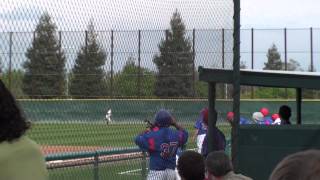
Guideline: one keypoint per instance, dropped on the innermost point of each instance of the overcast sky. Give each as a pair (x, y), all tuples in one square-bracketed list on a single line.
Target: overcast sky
[(155, 14), (280, 13), (74, 15)]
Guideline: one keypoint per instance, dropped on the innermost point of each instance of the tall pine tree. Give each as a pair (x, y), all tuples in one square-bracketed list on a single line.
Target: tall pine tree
[(1, 68), (175, 63), (274, 59), (88, 75), (45, 65)]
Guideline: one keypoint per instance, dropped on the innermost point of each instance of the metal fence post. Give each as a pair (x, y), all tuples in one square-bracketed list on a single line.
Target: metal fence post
[(236, 81), (225, 88), (311, 50), (60, 51), (111, 56), (252, 59), (193, 62), (86, 43), (285, 57), (32, 79), (285, 49), (144, 165), (139, 63), (96, 166), (10, 59)]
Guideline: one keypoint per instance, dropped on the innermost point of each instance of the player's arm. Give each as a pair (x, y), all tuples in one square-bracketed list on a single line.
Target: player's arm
[(175, 124), (183, 134), (142, 142)]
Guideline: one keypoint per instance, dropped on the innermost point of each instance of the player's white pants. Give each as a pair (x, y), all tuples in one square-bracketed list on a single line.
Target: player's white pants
[(176, 170), (200, 139), (168, 174)]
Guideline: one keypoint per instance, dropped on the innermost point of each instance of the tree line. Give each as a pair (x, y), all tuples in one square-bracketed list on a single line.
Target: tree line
[(44, 74)]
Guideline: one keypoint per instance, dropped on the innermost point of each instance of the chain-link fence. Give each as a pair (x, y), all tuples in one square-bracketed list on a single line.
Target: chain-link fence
[(70, 62), (129, 66)]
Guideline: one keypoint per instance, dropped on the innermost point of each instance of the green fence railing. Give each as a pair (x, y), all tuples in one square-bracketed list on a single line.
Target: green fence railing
[(98, 165)]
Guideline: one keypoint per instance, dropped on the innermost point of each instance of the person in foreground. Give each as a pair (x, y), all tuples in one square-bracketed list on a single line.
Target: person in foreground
[(219, 139), (191, 166), (20, 157), (162, 143), (219, 167), (304, 165)]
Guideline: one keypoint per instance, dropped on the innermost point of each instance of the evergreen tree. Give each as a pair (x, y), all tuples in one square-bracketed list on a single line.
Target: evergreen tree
[(175, 63), (292, 65), (1, 68), (45, 65), (88, 76), (16, 77), (274, 59), (126, 81)]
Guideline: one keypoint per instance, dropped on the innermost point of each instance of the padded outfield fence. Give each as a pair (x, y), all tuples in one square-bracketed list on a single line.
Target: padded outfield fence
[(78, 143)]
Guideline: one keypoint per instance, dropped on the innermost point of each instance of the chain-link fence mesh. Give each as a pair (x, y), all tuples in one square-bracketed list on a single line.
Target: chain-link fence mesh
[(69, 62), (130, 71)]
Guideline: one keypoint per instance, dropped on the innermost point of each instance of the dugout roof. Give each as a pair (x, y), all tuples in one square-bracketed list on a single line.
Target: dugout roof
[(266, 78), (281, 79)]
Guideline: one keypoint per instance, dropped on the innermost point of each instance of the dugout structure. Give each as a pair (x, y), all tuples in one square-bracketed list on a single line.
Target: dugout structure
[(257, 149)]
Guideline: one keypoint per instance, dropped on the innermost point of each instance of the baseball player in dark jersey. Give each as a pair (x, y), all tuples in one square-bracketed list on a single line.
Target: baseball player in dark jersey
[(162, 143)]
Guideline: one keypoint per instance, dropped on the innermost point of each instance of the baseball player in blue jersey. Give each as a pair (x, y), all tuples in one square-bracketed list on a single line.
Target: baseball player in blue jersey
[(162, 143), (201, 130)]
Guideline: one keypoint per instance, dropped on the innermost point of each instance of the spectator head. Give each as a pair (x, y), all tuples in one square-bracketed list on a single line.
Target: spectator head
[(264, 111), (12, 123), (205, 115), (163, 118), (304, 165), (257, 116), (191, 166), (230, 116), (285, 112), (218, 164), (274, 117)]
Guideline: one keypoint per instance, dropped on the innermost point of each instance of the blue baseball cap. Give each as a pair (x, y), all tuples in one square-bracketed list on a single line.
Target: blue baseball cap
[(163, 118)]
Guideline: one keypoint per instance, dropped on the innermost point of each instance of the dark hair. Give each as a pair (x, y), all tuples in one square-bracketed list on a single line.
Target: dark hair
[(205, 114), (285, 112), (12, 124), (304, 165), (218, 163), (191, 166)]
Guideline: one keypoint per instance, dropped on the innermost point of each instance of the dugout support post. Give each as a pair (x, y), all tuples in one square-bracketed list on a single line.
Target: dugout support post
[(212, 114), (298, 101)]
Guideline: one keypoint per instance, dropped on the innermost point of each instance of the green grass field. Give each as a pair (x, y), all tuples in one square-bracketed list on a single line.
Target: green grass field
[(86, 134), (95, 134)]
